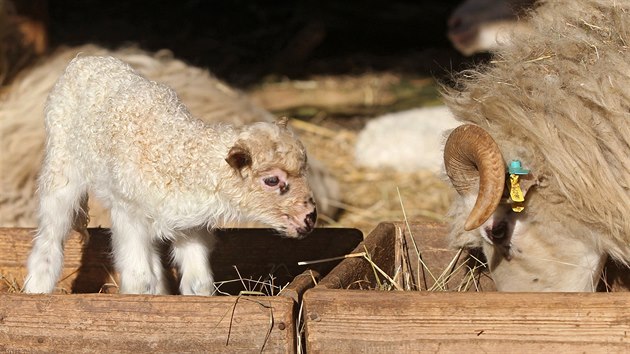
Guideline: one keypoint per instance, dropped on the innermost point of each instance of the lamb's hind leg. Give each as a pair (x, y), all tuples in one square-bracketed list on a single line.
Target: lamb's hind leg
[(191, 253), (62, 194), (135, 255)]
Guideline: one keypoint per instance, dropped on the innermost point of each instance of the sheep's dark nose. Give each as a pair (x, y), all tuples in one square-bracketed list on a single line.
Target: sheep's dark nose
[(455, 23)]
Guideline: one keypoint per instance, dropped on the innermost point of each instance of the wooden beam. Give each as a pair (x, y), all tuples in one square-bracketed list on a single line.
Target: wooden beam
[(345, 321), (247, 253), (169, 324), (139, 323), (416, 257)]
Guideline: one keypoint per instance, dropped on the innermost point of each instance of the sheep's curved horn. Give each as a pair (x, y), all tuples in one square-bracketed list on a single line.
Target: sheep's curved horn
[(470, 152)]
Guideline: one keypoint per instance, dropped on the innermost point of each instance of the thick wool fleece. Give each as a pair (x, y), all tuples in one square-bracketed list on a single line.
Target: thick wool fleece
[(558, 99)]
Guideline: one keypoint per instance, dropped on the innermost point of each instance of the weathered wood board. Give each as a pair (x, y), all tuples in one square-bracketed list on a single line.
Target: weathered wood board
[(140, 323), (354, 321), (415, 257), (342, 318), (240, 255), (84, 321)]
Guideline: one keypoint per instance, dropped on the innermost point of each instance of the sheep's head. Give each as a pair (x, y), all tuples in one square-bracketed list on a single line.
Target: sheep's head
[(270, 165), (539, 249), (482, 25)]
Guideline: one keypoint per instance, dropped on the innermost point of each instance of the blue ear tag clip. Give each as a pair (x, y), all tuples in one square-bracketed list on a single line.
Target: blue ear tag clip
[(516, 169), (516, 194)]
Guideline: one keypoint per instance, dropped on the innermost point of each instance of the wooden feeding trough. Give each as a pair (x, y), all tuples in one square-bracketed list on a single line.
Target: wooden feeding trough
[(453, 308), (84, 315)]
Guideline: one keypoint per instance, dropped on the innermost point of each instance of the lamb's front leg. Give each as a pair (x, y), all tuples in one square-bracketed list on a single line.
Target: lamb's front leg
[(135, 255), (191, 254)]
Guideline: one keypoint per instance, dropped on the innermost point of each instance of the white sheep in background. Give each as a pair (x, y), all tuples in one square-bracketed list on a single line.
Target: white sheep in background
[(405, 141), (164, 174), (22, 124), (558, 100)]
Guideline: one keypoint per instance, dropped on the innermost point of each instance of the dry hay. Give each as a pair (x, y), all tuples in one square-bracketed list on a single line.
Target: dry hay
[(371, 196), (329, 131)]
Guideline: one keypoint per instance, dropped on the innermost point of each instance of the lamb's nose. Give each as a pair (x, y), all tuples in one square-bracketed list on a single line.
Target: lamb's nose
[(309, 224), (311, 219)]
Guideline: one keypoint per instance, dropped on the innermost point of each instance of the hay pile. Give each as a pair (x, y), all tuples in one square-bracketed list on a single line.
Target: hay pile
[(372, 196), (369, 196)]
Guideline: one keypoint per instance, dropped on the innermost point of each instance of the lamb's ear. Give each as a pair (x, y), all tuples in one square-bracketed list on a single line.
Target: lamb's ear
[(239, 157), (282, 122)]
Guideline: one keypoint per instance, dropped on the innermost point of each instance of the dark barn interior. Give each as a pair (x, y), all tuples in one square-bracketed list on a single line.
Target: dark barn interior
[(245, 41)]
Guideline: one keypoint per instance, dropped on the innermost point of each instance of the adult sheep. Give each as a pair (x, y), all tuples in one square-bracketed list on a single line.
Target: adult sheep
[(164, 174), (483, 25), (22, 124), (558, 100)]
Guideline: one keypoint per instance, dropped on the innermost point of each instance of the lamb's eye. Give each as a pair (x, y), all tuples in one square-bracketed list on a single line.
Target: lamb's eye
[(272, 181)]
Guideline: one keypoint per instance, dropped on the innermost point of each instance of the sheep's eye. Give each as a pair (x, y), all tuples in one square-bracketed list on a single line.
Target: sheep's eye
[(498, 230), (272, 181)]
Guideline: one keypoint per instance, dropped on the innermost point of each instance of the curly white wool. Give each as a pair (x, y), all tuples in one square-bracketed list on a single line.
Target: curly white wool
[(163, 174), (22, 124)]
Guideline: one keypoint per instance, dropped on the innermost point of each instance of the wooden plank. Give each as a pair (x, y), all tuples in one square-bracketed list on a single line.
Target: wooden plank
[(138, 323), (256, 253), (132, 323), (417, 258), (357, 273), (344, 321), (424, 255), (87, 265)]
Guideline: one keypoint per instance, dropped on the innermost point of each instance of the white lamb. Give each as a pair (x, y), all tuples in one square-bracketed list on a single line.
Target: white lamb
[(164, 174)]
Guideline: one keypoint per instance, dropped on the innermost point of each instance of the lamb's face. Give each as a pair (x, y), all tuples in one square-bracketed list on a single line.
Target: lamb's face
[(537, 249), (271, 164)]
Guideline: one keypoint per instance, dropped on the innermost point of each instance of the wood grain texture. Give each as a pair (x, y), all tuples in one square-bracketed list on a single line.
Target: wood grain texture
[(400, 322), (139, 323), (419, 251), (239, 253), (80, 322), (423, 252), (357, 273)]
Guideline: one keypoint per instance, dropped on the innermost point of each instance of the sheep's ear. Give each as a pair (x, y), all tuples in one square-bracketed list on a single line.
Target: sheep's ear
[(282, 122), (528, 181), (239, 157)]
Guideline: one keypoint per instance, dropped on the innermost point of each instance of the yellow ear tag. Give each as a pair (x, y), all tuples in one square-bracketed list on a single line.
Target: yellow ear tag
[(516, 194), (515, 189)]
